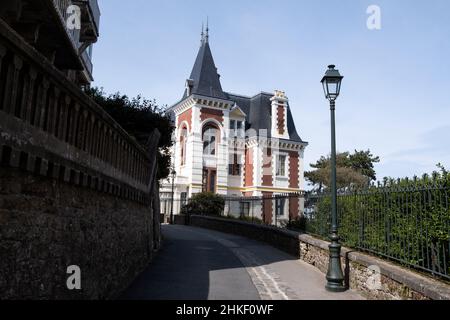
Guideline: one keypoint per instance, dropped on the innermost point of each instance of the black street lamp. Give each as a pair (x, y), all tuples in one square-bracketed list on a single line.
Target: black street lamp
[(173, 194), (332, 86)]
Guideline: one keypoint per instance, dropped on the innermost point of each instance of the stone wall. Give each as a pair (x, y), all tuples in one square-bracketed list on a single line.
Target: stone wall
[(75, 188), (47, 225), (373, 277)]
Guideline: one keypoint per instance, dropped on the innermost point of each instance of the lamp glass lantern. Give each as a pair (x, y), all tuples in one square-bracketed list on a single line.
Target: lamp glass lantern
[(331, 83)]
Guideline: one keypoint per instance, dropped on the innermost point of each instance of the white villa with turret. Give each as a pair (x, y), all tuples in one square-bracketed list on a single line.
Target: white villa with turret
[(233, 145)]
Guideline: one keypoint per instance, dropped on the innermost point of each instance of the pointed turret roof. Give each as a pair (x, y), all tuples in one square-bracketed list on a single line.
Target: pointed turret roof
[(206, 80)]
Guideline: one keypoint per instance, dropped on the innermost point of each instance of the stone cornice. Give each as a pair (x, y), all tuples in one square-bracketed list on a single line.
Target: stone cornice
[(203, 101), (276, 143)]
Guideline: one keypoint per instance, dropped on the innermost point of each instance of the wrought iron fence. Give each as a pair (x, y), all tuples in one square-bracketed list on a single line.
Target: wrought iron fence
[(276, 210), (408, 224)]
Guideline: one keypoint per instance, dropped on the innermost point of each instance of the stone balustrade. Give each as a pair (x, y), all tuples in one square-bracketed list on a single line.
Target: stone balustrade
[(51, 128)]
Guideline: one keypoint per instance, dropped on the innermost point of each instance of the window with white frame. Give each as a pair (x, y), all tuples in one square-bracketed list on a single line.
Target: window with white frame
[(183, 139), (234, 166), (281, 165), (183, 199), (279, 206), (236, 128), (244, 209), (210, 138)]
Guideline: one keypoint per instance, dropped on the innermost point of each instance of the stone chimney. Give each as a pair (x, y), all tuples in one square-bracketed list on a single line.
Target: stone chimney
[(279, 115)]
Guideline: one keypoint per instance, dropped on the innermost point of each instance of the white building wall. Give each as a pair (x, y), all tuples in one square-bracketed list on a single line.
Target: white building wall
[(257, 168), (197, 152), (222, 156), (301, 172)]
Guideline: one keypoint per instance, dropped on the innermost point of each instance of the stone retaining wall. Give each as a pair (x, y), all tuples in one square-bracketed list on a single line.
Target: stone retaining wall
[(373, 277), (47, 225), (75, 188)]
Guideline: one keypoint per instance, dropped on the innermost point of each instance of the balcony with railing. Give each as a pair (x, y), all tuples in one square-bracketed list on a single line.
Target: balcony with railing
[(50, 27), (95, 10), (87, 62), (90, 15), (88, 34)]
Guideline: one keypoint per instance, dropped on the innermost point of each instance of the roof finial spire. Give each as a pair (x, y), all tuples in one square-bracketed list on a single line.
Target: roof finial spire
[(207, 30), (202, 34)]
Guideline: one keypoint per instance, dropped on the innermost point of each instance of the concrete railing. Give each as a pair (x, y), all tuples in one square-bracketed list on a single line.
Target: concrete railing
[(49, 127), (373, 277)]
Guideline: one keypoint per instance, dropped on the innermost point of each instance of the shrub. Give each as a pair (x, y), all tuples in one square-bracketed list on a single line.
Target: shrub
[(251, 219), (206, 204), (298, 224)]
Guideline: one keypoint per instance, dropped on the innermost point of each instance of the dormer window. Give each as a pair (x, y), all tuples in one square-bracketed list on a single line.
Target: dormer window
[(189, 86)]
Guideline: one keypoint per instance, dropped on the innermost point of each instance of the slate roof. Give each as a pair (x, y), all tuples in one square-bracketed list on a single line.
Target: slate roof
[(257, 108), (259, 113), (205, 76)]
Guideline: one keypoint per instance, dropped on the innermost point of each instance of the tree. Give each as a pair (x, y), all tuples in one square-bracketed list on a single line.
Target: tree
[(363, 161), (351, 170), (139, 117)]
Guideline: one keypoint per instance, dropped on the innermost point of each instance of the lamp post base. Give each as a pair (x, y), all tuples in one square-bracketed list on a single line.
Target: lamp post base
[(335, 277), (332, 287)]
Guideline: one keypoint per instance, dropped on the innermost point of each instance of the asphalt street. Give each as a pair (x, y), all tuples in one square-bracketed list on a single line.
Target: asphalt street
[(200, 264)]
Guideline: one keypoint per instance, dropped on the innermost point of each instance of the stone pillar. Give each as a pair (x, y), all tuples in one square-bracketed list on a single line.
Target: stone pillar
[(27, 103), (42, 103), (64, 112), (12, 83), (2, 66), (267, 207), (73, 123), (53, 112)]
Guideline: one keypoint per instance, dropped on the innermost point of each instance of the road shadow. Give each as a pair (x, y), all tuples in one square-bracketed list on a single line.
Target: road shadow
[(186, 263)]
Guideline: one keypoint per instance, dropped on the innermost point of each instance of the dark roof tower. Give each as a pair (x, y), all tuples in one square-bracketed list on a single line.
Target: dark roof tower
[(204, 79)]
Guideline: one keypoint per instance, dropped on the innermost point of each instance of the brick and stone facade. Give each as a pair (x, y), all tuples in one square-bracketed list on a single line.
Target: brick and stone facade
[(235, 145)]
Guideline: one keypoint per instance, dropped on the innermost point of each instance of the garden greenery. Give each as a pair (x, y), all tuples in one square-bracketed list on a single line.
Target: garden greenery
[(205, 203), (405, 220)]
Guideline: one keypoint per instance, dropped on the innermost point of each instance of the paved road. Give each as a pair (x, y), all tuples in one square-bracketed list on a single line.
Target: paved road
[(200, 264)]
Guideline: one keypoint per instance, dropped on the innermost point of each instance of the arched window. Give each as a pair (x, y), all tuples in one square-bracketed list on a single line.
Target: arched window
[(210, 138), (183, 139)]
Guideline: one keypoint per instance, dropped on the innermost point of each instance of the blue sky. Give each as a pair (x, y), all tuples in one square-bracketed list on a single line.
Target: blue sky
[(395, 96)]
